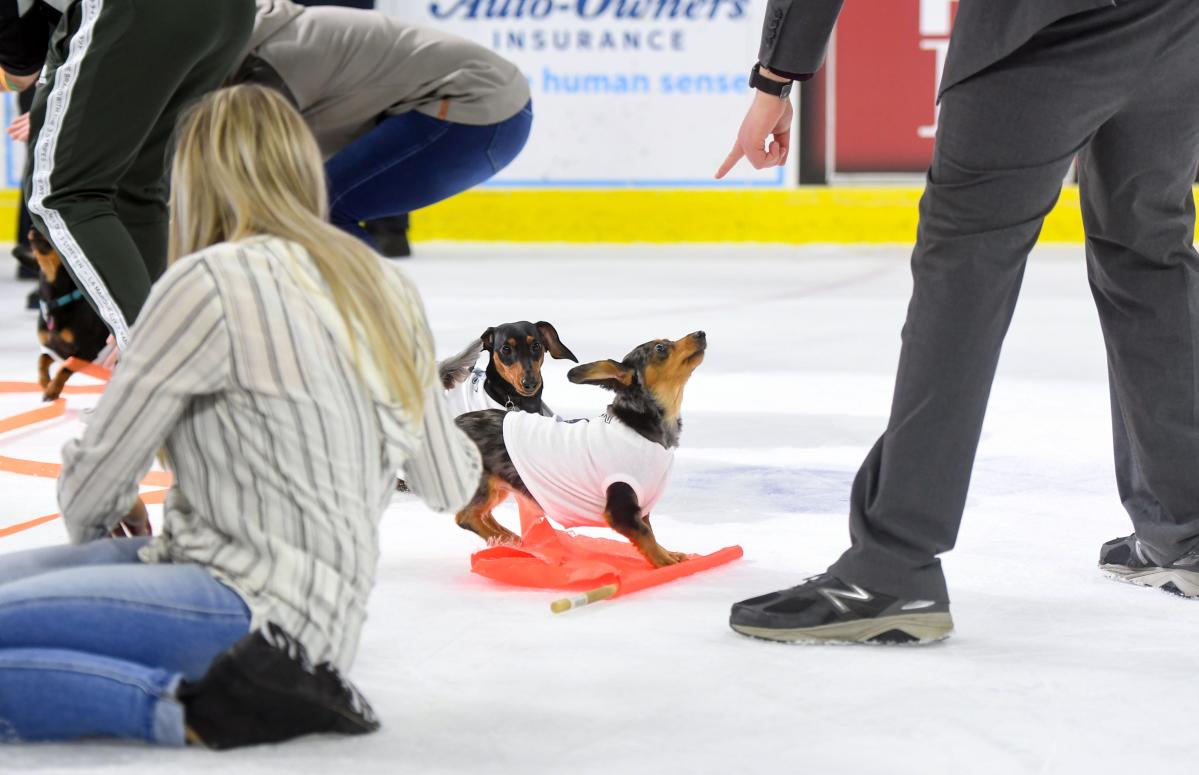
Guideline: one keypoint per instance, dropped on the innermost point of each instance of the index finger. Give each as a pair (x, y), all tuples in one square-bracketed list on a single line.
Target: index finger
[(730, 161)]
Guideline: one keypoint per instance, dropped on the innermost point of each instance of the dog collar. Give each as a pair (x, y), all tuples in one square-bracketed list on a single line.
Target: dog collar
[(61, 301), (48, 307)]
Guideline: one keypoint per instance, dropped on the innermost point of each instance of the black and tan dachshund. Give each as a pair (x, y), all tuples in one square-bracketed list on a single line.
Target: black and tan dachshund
[(512, 379), (67, 325), (535, 459)]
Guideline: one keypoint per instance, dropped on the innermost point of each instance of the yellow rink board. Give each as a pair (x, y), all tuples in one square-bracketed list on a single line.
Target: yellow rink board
[(805, 215), (797, 216)]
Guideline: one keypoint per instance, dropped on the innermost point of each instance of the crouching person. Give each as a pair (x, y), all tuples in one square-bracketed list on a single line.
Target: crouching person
[(288, 372)]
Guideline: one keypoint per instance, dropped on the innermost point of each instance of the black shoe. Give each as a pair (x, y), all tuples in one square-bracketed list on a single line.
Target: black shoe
[(263, 690), (390, 236), (825, 610), (1125, 559)]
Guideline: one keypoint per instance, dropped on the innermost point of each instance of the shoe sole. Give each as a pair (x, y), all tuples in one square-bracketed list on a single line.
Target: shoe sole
[(1183, 583), (911, 629)]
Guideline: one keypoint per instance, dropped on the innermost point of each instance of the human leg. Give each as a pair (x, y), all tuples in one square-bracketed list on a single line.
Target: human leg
[(166, 615), (99, 649), (413, 160), (1006, 139), (57, 694), (34, 562), (120, 67), (1136, 181)]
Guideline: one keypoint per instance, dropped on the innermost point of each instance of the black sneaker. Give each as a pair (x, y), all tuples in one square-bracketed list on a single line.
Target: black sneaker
[(263, 690), (1125, 559), (826, 610), (390, 235)]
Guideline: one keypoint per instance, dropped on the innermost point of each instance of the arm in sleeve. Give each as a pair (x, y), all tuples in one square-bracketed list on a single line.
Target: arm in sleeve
[(24, 37), (444, 472), (795, 34), (180, 349)]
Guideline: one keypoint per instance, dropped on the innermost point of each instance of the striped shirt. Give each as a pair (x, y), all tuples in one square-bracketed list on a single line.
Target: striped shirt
[(284, 457)]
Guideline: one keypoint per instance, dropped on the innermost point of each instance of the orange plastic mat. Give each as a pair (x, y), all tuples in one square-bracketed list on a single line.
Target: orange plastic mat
[(555, 559)]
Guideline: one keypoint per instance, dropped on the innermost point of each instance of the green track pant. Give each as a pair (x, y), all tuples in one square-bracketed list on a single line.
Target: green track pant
[(118, 74)]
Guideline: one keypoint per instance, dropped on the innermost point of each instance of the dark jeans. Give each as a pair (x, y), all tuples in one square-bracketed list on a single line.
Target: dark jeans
[(413, 160)]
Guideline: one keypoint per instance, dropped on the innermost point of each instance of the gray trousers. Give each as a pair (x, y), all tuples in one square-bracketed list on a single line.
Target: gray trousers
[(1119, 89)]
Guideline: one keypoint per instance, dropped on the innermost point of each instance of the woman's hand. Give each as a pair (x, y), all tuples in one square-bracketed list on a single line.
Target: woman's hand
[(135, 523), (107, 357), (18, 130)]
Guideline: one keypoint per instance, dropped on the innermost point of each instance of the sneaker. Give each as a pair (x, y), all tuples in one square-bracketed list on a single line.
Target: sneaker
[(263, 690), (824, 609), (1125, 559)]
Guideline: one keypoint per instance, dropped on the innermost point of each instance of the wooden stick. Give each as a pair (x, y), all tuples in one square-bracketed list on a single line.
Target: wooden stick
[(578, 601)]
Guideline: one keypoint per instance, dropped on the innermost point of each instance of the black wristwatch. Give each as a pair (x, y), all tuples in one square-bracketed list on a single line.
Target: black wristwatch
[(780, 89)]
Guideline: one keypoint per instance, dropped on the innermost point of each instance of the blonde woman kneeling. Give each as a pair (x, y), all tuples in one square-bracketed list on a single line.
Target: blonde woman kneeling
[(289, 372)]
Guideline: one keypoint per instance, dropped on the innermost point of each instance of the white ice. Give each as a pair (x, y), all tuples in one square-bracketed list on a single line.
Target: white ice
[(1054, 668)]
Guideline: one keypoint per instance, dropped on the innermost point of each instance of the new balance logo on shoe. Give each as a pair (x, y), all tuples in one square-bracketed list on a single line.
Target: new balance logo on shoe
[(854, 592)]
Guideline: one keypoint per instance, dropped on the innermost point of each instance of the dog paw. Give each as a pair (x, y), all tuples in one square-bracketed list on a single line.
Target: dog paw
[(51, 394), (661, 558), (506, 538)]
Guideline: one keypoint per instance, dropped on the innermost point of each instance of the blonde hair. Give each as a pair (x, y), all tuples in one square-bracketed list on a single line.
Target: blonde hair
[(245, 165)]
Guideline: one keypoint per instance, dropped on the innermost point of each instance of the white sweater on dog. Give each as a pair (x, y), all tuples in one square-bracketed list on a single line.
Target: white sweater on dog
[(469, 395), (568, 466)]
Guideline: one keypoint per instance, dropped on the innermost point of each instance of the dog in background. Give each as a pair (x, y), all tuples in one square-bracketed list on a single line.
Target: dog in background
[(610, 470), (67, 326)]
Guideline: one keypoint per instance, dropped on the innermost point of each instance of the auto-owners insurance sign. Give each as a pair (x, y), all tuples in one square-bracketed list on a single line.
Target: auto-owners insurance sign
[(625, 92)]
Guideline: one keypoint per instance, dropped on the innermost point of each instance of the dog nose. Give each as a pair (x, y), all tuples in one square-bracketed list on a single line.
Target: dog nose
[(700, 337), (528, 384)]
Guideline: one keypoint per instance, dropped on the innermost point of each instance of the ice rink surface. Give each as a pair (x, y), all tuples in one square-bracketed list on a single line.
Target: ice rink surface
[(1053, 669)]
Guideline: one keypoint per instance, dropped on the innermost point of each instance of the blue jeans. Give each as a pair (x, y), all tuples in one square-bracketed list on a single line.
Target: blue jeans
[(93, 642), (413, 160)]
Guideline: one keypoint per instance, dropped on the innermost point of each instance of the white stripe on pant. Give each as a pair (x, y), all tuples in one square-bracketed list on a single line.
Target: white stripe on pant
[(57, 105)]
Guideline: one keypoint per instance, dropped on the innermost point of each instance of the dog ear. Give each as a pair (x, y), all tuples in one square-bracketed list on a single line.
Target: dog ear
[(609, 374), (553, 345), (488, 339)]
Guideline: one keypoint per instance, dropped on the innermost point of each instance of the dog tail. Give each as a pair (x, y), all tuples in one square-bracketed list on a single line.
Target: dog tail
[(454, 370)]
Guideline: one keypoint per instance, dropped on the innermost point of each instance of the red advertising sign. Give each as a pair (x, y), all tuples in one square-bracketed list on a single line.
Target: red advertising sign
[(885, 67)]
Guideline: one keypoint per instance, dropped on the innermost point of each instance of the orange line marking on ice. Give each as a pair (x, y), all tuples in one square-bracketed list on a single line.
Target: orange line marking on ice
[(33, 387), (52, 411), (149, 498)]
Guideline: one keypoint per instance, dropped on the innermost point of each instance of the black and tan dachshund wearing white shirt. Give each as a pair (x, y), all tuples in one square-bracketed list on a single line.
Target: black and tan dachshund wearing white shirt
[(648, 383)]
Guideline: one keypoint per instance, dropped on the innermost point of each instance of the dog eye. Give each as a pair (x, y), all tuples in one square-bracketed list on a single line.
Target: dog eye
[(534, 347), (660, 349), (506, 350)]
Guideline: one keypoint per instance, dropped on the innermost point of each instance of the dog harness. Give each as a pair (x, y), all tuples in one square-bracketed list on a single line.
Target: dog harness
[(48, 307), (568, 466)]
